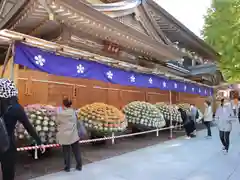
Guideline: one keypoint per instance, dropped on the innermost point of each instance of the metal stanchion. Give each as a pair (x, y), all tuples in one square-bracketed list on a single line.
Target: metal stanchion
[(157, 132), (12, 62), (36, 152), (171, 124), (113, 138)]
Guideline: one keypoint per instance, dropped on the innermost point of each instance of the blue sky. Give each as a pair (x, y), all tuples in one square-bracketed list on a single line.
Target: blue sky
[(188, 12)]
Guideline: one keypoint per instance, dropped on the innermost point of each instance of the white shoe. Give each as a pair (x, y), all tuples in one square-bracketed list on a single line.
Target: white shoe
[(188, 137), (225, 152)]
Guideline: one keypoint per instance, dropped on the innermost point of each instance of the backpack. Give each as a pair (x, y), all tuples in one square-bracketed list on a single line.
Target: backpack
[(4, 140)]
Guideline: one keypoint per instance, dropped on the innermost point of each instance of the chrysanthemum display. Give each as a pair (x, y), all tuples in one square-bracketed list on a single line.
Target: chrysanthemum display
[(170, 112), (102, 118), (144, 114), (184, 106), (43, 119)]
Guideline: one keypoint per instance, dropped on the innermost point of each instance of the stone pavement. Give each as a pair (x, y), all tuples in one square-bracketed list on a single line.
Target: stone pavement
[(179, 159)]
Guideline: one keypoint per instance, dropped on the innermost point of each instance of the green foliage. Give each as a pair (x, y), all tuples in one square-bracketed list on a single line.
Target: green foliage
[(222, 31)]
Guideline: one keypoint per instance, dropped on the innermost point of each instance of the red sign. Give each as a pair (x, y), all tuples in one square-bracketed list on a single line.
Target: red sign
[(111, 47)]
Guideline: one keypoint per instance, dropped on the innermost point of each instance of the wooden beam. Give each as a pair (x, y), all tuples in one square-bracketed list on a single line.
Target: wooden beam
[(7, 59), (12, 12), (4, 2)]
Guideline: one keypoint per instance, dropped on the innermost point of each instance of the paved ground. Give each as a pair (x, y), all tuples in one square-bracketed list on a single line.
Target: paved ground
[(180, 159), (52, 162)]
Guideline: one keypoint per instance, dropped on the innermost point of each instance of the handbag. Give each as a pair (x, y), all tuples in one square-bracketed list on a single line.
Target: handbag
[(82, 132), (4, 140)]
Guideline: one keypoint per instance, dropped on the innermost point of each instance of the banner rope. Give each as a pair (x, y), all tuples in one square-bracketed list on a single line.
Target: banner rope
[(28, 148)]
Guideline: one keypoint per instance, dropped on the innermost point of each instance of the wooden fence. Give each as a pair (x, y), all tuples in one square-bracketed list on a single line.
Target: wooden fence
[(37, 87)]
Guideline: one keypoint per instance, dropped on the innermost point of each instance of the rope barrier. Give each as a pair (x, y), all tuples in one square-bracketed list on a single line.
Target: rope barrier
[(28, 148)]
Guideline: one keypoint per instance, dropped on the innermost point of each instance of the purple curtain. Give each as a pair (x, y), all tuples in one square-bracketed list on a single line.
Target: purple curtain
[(38, 59)]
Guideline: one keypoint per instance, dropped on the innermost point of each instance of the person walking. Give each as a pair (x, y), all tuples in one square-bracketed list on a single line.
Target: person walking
[(194, 115), (238, 108), (11, 112), (224, 117), (193, 111), (187, 123), (68, 135), (208, 117)]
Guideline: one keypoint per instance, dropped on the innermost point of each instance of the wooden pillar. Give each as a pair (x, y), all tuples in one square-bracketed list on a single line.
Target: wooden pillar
[(11, 71), (214, 100)]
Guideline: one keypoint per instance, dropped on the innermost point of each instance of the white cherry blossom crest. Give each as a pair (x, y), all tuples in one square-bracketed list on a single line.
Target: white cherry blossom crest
[(80, 69), (185, 88), (39, 60), (150, 80), (132, 79), (175, 85), (164, 84), (109, 75)]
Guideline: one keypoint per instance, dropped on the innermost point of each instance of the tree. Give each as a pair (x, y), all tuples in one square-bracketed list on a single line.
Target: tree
[(222, 31)]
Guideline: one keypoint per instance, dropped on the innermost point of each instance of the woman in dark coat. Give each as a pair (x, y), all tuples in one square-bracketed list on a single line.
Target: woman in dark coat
[(12, 111), (188, 124)]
